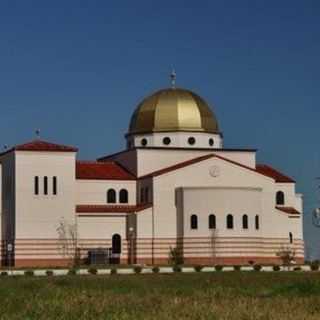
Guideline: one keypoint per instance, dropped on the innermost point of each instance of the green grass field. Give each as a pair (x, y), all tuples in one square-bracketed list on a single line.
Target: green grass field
[(232, 295)]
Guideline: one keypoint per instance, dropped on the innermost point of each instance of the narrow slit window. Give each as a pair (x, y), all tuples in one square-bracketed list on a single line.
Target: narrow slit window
[(45, 185), (36, 185), (54, 186)]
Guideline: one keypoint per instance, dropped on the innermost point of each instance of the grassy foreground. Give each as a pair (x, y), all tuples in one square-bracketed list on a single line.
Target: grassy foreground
[(227, 295)]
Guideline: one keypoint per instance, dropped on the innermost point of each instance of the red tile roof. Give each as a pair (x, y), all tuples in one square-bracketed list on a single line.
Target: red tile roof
[(41, 145), (102, 171), (273, 173), (111, 208), (288, 210)]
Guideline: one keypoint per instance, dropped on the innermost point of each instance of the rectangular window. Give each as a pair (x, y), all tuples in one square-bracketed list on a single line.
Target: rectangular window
[(36, 185), (141, 195), (147, 195), (45, 185), (54, 185)]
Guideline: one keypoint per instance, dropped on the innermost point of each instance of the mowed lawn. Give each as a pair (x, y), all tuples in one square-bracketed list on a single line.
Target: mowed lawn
[(225, 295)]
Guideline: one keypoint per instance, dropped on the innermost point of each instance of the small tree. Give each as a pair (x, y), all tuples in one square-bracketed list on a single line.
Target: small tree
[(213, 245), (68, 241), (287, 255), (175, 256)]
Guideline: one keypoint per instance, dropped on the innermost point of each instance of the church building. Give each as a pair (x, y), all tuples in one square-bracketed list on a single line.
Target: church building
[(175, 187)]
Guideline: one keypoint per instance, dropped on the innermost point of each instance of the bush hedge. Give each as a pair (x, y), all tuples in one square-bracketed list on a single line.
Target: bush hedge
[(93, 271), (155, 269), (198, 268), (218, 268), (137, 269), (276, 268)]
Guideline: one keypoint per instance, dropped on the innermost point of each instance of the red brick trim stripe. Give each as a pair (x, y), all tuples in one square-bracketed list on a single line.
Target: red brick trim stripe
[(112, 208), (288, 210)]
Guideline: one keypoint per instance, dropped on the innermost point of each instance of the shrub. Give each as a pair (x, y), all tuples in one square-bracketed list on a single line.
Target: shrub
[(177, 268), (276, 268), (4, 273), (49, 273), (198, 268), (297, 269), (113, 271), (72, 272), (175, 256), (314, 266), (257, 267), (29, 273), (93, 271), (237, 268), (251, 262), (137, 269), (218, 268), (155, 269)]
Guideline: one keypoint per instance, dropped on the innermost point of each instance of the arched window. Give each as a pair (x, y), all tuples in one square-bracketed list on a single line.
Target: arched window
[(194, 222), (244, 221), (290, 237), (36, 185), (123, 196), (116, 244), (212, 221), (280, 198), (257, 223), (229, 221), (111, 196), (45, 185)]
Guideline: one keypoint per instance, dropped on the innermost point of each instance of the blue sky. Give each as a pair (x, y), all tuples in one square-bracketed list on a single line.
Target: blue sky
[(77, 69)]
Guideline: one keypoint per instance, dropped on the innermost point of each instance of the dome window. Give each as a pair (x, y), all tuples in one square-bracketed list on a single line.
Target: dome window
[(166, 141), (144, 142), (211, 142), (191, 141)]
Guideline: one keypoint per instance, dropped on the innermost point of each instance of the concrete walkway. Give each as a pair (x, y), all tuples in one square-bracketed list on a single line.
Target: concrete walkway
[(144, 270)]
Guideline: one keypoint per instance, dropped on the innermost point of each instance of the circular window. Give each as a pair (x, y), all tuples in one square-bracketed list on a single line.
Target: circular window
[(211, 142), (166, 140), (191, 140), (144, 142)]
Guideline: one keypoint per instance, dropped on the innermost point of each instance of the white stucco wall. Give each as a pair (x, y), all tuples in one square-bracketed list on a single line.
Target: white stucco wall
[(222, 201), (37, 216), (272, 222), (94, 192), (150, 160), (101, 227)]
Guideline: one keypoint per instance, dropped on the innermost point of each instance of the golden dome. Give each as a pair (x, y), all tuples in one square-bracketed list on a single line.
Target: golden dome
[(173, 109)]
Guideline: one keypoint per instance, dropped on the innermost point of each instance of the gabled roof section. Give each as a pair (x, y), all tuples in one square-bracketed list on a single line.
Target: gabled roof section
[(40, 146), (110, 170), (89, 208), (270, 172), (177, 166), (288, 210), (273, 173)]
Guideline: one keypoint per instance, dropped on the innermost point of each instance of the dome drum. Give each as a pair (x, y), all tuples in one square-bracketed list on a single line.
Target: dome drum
[(178, 139)]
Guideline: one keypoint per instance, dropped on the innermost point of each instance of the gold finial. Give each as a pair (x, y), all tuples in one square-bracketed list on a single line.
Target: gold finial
[(173, 77), (37, 133)]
